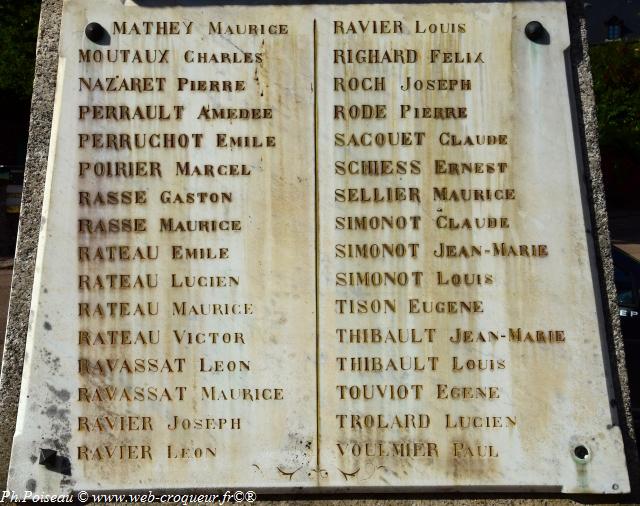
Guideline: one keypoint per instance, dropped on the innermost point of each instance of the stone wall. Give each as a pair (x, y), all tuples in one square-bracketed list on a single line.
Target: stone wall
[(30, 221)]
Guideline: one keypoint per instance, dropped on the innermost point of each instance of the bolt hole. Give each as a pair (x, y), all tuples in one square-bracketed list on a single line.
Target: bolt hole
[(581, 452), (615, 486)]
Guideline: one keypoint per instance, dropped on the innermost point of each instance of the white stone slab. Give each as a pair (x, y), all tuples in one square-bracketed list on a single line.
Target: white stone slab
[(300, 267)]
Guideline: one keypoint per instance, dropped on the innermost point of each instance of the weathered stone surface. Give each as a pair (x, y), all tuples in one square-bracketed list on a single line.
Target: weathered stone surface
[(587, 132), (289, 259), (30, 216), (529, 103), (215, 326)]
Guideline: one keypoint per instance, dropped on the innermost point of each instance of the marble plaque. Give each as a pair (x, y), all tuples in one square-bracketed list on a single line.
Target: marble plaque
[(315, 247)]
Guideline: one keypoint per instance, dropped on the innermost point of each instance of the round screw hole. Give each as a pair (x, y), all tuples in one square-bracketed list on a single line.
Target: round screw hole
[(615, 486), (581, 452)]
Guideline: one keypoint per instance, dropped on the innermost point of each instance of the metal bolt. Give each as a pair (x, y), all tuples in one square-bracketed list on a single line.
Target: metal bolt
[(47, 457), (534, 31), (95, 32)]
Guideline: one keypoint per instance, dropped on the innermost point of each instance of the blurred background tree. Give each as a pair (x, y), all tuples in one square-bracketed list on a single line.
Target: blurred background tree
[(616, 79), (18, 35)]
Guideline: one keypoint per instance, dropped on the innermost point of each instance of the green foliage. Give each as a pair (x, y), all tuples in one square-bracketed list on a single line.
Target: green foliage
[(616, 79), (18, 36)]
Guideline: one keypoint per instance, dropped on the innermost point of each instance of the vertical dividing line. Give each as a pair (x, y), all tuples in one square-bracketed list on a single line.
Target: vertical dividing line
[(317, 238)]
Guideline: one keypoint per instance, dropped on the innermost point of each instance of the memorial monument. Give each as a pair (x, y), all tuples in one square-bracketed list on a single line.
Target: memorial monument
[(313, 249)]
